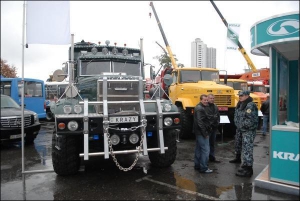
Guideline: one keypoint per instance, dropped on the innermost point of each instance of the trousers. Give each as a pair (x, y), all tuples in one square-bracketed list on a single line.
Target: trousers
[(244, 146), (201, 153)]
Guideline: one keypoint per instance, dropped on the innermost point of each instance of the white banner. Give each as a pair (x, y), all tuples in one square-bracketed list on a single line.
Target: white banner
[(48, 22), (233, 31)]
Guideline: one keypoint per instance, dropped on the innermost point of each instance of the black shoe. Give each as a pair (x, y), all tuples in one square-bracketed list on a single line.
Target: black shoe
[(196, 168), (237, 159), (245, 172), (241, 169), (214, 160)]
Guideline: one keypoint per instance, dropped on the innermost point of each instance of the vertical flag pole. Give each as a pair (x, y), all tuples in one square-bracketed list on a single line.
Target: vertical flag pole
[(22, 96)]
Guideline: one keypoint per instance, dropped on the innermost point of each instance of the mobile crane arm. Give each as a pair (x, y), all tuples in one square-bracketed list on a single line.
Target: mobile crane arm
[(241, 48), (164, 37)]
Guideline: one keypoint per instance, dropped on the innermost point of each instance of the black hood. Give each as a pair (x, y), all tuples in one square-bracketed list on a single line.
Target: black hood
[(6, 112)]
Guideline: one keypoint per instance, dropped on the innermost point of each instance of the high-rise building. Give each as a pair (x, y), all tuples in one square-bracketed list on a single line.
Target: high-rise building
[(201, 55), (211, 57)]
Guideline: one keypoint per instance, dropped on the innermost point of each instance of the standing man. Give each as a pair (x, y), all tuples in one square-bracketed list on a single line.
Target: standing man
[(265, 109), (214, 118), (245, 119), (202, 130)]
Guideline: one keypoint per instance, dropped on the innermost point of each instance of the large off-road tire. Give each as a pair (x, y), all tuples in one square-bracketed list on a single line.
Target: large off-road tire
[(49, 115), (186, 124), (168, 158), (29, 139), (66, 161)]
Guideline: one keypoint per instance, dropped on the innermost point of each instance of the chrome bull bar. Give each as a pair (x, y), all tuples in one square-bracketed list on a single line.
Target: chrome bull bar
[(105, 103)]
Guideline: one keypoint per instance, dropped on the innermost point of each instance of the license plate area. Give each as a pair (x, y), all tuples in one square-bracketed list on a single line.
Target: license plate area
[(223, 108), (17, 136), (123, 119)]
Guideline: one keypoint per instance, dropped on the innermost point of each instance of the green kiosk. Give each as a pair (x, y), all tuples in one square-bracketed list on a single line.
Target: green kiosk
[(278, 38)]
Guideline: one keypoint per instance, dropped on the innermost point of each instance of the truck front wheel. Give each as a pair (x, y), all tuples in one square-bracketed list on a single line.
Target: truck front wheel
[(65, 159), (168, 158), (186, 124)]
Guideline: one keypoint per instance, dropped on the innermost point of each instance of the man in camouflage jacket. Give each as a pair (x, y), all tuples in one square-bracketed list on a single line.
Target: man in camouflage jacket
[(245, 119)]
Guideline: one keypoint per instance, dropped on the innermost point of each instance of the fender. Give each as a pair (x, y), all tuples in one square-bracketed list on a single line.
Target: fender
[(186, 102)]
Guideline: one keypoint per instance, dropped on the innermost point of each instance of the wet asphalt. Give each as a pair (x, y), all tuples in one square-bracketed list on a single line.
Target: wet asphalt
[(100, 179)]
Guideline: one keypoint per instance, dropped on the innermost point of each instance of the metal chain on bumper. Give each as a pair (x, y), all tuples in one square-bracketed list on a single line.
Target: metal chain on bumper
[(143, 125)]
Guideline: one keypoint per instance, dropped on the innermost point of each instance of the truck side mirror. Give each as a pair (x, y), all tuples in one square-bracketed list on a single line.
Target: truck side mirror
[(225, 79), (168, 79), (153, 75)]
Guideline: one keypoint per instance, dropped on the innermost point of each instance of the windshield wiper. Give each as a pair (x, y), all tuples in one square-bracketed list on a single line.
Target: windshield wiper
[(90, 62)]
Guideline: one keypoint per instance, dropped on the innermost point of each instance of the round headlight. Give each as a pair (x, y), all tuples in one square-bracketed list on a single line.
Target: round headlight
[(115, 139), (77, 109), (72, 125), (168, 121), (134, 138), (67, 109), (167, 107)]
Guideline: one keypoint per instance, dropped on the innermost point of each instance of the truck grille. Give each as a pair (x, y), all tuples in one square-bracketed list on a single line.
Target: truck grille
[(119, 90), (15, 122), (222, 100)]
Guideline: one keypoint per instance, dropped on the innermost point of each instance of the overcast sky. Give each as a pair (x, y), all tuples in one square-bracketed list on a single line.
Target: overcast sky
[(128, 21)]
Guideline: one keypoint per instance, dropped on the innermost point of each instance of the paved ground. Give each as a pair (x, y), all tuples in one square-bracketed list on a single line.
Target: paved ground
[(100, 179)]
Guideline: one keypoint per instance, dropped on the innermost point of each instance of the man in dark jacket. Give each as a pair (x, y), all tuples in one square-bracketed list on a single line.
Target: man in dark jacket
[(214, 118), (245, 119), (265, 109), (202, 130)]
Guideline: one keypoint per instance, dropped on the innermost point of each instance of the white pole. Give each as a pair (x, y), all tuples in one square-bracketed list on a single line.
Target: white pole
[(22, 96), (71, 76)]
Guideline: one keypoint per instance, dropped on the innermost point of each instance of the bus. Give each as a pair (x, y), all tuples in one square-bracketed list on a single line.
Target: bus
[(54, 90), (34, 93)]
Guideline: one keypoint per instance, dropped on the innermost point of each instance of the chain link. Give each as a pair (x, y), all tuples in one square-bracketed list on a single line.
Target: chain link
[(143, 126)]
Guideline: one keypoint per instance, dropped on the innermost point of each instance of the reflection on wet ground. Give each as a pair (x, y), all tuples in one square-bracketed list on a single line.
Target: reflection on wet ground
[(100, 179)]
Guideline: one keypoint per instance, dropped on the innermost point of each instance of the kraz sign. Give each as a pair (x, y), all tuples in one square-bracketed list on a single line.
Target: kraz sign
[(286, 156)]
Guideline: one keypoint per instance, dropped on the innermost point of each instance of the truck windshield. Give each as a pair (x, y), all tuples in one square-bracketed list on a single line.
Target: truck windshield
[(197, 75), (94, 67), (259, 89), (99, 67), (237, 85), (126, 67), (190, 76), (210, 76)]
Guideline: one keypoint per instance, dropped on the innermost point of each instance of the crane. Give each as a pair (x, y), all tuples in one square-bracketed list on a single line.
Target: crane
[(164, 37), (241, 48)]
